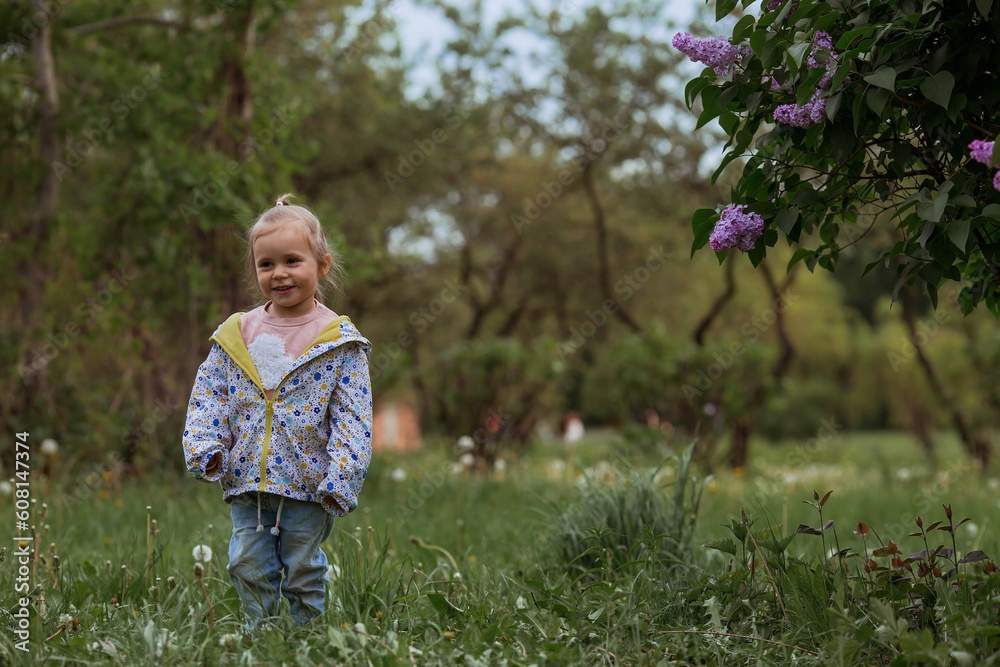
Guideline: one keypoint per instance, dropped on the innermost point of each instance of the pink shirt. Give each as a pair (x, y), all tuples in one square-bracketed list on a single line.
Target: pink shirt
[(274, 343)]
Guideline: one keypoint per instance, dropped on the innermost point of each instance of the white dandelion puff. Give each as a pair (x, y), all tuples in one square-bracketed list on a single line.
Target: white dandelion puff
[(49, 446), (202, 553), (398, 475), (465, 443), (6, 488)]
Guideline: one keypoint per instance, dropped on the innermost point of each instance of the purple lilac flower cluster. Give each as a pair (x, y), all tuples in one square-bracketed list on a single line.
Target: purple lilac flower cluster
[(736, 229), (810, 113), (982, 152), (813, 111), (716, 52)]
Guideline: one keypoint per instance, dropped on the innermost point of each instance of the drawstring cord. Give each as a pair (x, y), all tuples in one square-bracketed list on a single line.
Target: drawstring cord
[(277, 519)]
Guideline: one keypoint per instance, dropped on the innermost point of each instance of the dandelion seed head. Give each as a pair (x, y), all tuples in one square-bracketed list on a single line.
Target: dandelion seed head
[(202, 553)]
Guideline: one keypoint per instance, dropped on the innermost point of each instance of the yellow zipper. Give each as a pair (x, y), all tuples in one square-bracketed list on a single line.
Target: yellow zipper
[(267, 445), (268, 420)]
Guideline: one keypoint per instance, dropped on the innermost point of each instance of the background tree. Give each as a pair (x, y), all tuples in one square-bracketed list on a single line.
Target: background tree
[(857, 113)]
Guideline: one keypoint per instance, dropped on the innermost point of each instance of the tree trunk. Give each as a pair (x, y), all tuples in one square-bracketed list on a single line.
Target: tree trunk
[(739, 451), (720, 302), (743, 428), (978, 447), (604, 269), (30, 269)]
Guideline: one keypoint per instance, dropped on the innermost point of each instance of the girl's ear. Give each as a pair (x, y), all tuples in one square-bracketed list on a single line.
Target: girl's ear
[(324, 268)]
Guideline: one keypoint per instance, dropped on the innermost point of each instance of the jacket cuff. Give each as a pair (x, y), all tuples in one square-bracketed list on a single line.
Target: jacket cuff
[(333, 498), (220, 472)]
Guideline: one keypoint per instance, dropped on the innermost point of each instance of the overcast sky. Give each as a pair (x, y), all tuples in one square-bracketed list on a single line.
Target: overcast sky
[(424, 31)]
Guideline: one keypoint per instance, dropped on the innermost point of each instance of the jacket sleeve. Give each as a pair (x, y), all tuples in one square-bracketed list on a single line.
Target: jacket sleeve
[(350, 444), (206, 431)]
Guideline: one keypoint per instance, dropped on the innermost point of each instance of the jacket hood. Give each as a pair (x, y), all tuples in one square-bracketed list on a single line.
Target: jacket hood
[(339, 332)]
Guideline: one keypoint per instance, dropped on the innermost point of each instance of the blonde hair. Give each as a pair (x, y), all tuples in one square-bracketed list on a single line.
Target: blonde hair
[(282, 213)]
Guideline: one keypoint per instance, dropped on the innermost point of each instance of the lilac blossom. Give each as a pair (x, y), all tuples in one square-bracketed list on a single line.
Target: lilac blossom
[(810, 113), (736, 229), (813, 111), (981, 151), (716, 52), (996, 181), (821, 40)]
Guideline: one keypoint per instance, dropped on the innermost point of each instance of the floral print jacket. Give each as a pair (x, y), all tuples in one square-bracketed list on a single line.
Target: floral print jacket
[(310, 441)]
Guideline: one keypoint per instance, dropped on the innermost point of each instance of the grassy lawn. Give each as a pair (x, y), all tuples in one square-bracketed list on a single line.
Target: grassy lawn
[(442, 566)]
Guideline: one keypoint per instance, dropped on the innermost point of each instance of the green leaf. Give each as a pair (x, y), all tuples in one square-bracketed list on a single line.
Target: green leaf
[(800, 254), (703, 223), (444, 607), (995, 157), (833, 105), (710, 102), (992, 211), (938, 88), (724, 8), (786, 219), (876, 99), (743, 28), (758, 253), (883, 78), (958, 232), (984, 7), (693, 89), (724, 545), (933, 211), (798, 51)]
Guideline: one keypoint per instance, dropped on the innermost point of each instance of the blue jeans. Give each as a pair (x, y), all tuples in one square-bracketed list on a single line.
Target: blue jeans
[(263, 567)]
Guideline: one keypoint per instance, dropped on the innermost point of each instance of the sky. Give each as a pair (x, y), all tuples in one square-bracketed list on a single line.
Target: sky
[(424, 31)]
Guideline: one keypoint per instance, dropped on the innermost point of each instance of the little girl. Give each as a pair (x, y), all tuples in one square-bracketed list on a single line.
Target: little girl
[(281, 414)]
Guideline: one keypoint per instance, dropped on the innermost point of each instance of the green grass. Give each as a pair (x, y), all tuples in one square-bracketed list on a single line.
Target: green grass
[(445, 567)]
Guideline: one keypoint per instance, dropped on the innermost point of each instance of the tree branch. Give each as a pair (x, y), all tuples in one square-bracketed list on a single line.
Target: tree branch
[(604, 271), (717, 305), (121, 22)]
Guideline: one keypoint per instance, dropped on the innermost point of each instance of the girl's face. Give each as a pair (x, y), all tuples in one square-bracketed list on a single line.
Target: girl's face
[(287, 270)]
